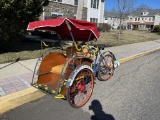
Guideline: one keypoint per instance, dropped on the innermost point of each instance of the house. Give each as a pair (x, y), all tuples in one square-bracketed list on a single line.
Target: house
[(143, 19), (113, 19), (138, 19), (93, 10)]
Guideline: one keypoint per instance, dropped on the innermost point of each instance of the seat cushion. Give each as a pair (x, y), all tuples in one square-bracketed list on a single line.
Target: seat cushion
[(57, 69)]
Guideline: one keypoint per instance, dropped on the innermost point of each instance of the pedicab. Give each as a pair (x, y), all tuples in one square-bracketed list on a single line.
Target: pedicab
[(71, 75)]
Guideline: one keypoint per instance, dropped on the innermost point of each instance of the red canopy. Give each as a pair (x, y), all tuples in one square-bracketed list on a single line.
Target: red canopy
[(80, 29)]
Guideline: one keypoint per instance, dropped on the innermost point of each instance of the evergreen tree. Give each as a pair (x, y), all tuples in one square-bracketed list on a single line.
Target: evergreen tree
[(14, 18)]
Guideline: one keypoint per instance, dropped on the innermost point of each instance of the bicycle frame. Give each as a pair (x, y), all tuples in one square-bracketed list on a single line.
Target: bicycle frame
[(98, 56)]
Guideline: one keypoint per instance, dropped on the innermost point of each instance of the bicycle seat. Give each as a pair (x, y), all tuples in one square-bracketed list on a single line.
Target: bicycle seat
[(101, 46)]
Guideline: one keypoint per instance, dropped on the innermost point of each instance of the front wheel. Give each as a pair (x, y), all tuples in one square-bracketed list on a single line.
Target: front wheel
[(81, 90), (105, 67)]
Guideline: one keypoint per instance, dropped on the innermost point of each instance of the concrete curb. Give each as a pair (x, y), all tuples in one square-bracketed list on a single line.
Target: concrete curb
[(16, 99), (138, 55)]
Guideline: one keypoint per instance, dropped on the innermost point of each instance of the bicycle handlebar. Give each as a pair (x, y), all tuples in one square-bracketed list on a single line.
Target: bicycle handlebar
[(75, 44)]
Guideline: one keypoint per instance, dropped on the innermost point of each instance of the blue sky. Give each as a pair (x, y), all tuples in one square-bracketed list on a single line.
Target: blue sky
[(155, 4)]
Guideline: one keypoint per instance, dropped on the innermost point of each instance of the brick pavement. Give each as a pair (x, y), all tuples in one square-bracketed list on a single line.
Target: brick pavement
[(15, 83)]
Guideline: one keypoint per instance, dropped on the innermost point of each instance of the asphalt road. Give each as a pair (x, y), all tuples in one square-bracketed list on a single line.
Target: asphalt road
[(133, 93)]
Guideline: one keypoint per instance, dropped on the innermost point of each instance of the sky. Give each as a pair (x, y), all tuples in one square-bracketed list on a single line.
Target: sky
[(154, 4)]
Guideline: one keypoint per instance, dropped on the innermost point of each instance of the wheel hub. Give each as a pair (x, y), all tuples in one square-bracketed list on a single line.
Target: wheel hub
[(81, 87)]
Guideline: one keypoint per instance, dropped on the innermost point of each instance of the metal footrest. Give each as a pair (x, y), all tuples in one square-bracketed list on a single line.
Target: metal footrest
[(49, 87)]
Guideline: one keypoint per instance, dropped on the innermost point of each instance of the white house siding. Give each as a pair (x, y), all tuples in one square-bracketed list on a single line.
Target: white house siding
[(114, 22), (71, 2), (131, 18), (101, 12), (85, 3), (95, 13), (157, 20), (89, 10), (105, 20)]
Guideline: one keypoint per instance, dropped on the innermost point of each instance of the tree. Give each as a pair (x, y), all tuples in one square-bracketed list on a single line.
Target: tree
[(15, 16), (143, 6), (124, 7)]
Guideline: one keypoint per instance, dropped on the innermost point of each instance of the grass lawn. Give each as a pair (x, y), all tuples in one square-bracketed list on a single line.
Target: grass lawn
[(127, 37), (30, 50)]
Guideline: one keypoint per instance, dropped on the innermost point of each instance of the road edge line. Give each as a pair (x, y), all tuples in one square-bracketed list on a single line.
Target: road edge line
[(16, 99), (137, 55)]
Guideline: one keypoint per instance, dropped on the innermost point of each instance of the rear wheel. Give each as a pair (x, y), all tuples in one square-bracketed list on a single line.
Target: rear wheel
[(81, 89), (106, 67)]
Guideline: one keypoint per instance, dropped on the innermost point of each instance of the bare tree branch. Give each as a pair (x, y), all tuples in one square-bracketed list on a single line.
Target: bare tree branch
[(124, 6)]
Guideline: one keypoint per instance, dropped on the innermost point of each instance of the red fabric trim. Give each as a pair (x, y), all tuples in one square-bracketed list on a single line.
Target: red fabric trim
[(80, 29)]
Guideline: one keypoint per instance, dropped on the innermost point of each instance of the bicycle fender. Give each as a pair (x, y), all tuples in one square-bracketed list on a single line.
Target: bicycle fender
[(75, 72), (114, 58)]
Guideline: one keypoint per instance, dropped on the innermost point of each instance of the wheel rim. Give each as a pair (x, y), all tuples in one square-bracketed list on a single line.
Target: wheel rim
[(106, 68), (81, 89)]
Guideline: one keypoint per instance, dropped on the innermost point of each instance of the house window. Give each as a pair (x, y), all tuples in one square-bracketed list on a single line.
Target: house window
[(145, 13), (149, 19), (91, 3), (57, 0), (138, 19), (94, 20), (94, 4), (56, 15), (135, 19), (142, 18), (153, 19), (75, 2), (97, 3)]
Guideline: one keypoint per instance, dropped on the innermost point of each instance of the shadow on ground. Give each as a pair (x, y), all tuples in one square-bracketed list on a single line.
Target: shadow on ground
[(99, 114)]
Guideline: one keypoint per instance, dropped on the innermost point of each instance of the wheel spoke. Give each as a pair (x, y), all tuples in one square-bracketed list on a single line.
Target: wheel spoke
[(84, 87), (105, 68)]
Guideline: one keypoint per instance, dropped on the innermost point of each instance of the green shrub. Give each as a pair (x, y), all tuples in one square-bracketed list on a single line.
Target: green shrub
[(103, 27), (14, 18), (156, 28), (134, 28)]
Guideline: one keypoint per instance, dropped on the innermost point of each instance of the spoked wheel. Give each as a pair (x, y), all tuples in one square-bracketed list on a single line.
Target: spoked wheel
[(105, 67), (81, 89)]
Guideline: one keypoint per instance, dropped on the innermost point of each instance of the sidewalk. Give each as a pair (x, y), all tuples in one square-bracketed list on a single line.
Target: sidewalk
[(17, 76)]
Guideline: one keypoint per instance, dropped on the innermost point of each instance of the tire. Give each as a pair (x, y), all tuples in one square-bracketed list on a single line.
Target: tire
[(105, 67), (81, 90)]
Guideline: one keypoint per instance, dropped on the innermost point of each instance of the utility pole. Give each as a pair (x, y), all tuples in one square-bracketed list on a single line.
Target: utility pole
[(79, 9)]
